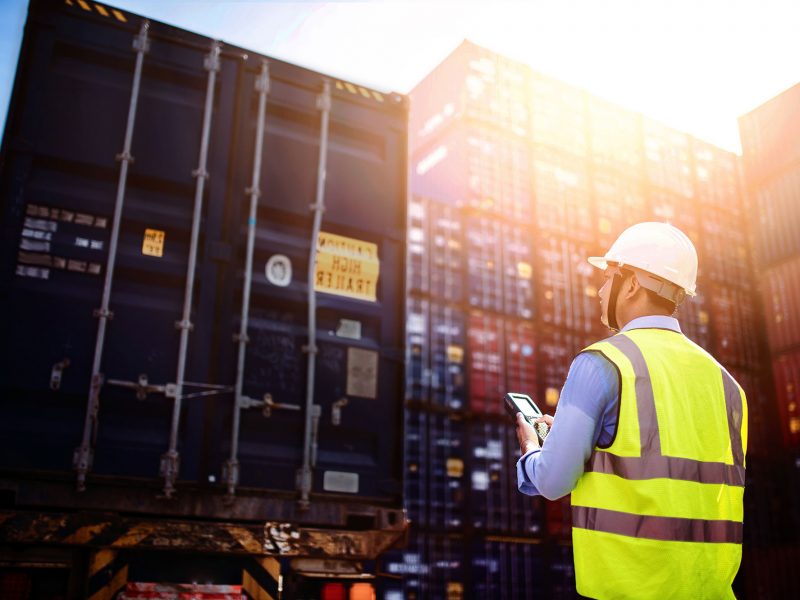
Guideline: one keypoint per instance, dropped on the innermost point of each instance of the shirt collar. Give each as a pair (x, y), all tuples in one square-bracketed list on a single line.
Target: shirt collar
[(653, 322)]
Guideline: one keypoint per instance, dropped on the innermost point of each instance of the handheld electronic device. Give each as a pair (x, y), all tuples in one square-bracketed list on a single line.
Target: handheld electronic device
[(522, 403)]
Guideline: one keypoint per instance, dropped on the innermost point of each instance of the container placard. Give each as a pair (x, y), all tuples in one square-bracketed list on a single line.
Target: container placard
[(347, 267), (362, 373), (153, 243)]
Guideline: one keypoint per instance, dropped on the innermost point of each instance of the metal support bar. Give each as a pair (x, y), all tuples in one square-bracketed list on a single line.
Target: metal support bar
[(305, 474), (232, 465), (170, 461), (84, 454)]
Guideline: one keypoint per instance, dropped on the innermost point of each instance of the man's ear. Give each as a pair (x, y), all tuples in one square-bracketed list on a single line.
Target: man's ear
[(631, 286)]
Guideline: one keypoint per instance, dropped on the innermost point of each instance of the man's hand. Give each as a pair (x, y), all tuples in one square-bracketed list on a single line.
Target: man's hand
[(526, 435)]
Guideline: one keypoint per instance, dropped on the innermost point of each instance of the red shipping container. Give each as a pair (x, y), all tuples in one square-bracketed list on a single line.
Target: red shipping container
[(780, 289), (520, 357), (486, 362), (735, 341), (786, 369)]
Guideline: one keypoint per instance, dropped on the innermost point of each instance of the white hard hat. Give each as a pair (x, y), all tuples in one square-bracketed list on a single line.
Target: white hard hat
[(656, 248)]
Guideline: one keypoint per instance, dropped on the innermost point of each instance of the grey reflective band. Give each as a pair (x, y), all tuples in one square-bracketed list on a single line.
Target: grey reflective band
[(649, 439), (653, 463), (671, 467), (733, 401), (670, 529)]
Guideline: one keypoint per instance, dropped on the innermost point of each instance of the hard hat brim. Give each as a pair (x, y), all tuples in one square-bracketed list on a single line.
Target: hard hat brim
[(598, 262)]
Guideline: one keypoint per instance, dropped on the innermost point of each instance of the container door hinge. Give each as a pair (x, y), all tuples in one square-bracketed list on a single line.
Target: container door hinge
[(336, 410), (101, 313), (57, 373), (185, 324)]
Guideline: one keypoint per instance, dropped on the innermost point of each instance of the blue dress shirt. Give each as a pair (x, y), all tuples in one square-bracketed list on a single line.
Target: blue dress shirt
[(586, 416)]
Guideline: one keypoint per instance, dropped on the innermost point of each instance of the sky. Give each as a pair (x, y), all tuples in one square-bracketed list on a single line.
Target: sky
[(696, 65)]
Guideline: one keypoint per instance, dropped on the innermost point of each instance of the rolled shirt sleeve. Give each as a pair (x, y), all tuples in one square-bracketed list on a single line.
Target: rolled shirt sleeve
[(585, 417)]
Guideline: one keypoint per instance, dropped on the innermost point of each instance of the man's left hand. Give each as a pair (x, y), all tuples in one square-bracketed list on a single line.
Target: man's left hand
[(526, 435)]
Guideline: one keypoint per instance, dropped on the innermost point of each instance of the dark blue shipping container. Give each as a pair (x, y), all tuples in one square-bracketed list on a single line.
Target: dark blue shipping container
[(84, 77)]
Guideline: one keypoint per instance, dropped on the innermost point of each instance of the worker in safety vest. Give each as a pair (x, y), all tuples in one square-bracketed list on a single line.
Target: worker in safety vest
[(649, 437)]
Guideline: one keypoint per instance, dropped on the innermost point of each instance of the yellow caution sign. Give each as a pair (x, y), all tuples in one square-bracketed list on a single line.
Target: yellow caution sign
[(347, 267), (153, 243)]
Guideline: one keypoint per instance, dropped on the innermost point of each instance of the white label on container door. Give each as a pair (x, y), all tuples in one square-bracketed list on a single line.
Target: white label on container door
[(279, 270), (349, 328), (339, 481)]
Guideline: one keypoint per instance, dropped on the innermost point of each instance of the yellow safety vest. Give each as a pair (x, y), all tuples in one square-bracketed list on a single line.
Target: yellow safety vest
[(658, 513)]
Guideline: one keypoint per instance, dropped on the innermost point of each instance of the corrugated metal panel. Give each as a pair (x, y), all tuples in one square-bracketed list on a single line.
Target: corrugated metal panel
[(447, 481), (615, 137), (558, 115), (735, 338), (486, 362), (521, 356), (60, 180), (770, 135), (668, 162), (436, 252), (448, 357), (568, 285), (489, 472), (780, 290), (478, 168), (472, 84), (694, 319), (432, 566), (619, 202), (776, 210), (717, 175), (786, 369), (562, 195), (724, 254)]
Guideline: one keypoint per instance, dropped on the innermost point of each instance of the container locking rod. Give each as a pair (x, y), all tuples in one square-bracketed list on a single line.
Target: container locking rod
[(170, 461), (84, 454)]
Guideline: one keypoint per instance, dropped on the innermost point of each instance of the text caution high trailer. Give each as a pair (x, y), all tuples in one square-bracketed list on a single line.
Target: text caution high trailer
[(202, 273)]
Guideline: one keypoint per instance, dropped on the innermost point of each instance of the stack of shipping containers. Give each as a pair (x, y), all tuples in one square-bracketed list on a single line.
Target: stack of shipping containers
[(515, 179), (770, 137)]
